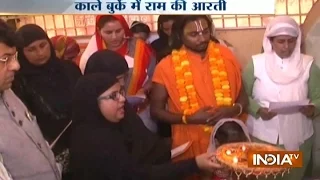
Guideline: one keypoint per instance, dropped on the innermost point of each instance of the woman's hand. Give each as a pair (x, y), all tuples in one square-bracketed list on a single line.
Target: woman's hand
[(265, 114), (308, 110), (205, 162)]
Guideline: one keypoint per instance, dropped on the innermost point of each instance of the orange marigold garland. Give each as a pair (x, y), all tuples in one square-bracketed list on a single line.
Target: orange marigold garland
[(184, 80)]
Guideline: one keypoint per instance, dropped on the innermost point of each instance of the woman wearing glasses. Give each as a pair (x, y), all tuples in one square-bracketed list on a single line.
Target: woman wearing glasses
[(105, 144), (113, 63)]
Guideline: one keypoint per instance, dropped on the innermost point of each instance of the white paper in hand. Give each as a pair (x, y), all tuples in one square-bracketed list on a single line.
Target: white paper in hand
[(287, 107), (180, 149)]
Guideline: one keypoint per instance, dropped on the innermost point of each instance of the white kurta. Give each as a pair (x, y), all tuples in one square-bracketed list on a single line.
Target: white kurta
[(293, 128)]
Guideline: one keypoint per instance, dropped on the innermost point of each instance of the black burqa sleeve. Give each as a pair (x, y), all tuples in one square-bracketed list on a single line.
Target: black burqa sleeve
[(102, 149), (108, 158)]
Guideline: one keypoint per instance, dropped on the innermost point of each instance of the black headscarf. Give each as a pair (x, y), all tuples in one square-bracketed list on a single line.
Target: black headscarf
[(104, 150), (46, 89), (85, 98), (92, 134), (51, 75), (147, 145), (31, 33), (106, 61)]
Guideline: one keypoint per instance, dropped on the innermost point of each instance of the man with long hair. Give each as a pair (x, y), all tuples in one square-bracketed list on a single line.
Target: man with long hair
[(161, 45), (196, 85)]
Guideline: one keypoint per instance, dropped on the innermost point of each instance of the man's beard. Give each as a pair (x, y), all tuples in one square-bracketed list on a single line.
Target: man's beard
[(202, 48)]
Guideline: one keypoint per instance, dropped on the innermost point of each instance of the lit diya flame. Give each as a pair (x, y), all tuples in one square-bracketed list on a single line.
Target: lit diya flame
[(235, 160), (269, 159), (243, 148), (228, 152)]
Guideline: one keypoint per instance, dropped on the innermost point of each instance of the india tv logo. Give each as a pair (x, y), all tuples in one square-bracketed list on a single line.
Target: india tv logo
[(275, 159)]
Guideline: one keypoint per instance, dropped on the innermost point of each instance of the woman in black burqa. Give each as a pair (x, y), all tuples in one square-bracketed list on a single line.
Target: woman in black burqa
[(116, 65), (110, 62), (45, 84), (107, 144), (107, 61)]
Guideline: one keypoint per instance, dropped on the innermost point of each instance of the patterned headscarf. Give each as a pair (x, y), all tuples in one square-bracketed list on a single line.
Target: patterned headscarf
[(212, 145), (225, 173), (66, 47)]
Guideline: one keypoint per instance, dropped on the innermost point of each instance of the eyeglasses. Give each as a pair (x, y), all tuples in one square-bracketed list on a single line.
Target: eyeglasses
[(116, 95), (8, 58)]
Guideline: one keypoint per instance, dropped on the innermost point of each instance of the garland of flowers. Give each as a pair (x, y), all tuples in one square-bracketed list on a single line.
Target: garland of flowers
[(185, 86)]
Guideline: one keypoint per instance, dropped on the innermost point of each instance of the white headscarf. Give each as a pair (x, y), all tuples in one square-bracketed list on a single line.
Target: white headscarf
[(283, 25), (292, 126), (212, 144)]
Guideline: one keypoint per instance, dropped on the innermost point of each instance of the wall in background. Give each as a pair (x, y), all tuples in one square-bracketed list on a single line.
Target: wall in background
[(79, 25), (247, 42)]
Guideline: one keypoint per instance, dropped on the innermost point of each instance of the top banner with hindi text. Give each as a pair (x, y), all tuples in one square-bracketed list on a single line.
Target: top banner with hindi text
[(154, 7)]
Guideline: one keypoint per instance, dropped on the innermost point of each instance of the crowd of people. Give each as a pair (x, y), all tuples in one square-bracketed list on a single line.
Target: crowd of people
[(119, 113)]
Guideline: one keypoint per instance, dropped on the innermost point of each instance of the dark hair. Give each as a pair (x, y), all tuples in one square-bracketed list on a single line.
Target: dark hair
[(8, 35), (230, 132), (139, 27), (166, 18), (180, 23), (104, 19), (162, 19)]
